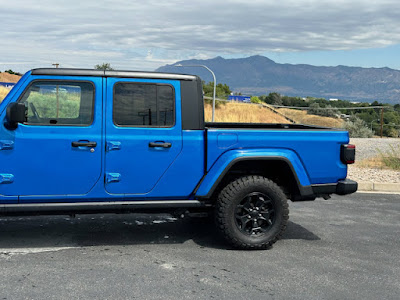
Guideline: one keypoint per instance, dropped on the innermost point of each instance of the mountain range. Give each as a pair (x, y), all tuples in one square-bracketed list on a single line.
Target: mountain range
[(259, 75)]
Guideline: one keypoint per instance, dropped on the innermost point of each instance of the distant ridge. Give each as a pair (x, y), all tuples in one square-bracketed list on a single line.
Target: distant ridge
[(258, 75)]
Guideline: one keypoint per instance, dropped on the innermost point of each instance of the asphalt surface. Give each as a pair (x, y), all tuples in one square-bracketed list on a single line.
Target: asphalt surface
[(343, 248)]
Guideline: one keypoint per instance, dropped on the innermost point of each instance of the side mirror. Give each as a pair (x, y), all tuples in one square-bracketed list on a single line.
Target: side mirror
[(16, 113)]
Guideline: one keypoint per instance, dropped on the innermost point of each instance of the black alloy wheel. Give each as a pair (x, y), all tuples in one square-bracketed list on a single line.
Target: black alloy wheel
[(255, 214)]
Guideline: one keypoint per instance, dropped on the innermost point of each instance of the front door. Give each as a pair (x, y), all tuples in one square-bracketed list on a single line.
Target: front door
[(143, 133), (57, 152)]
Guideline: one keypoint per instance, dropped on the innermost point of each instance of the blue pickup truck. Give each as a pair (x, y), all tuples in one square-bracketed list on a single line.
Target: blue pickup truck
[(89, 141)]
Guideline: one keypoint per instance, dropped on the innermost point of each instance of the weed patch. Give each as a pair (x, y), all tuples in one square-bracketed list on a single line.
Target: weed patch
[(385, 160), (391, 158)]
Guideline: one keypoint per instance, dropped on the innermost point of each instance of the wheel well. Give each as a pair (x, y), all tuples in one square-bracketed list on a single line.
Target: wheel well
[(279, 171)]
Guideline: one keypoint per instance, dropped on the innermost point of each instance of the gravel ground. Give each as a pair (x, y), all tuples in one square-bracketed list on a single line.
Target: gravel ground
[(373, 175), (367, 148)]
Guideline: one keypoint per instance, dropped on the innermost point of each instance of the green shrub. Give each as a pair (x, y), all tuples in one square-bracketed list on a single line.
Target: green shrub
[(255, 99), (218, 103), (391, 158), (357, 128), (392, 132)]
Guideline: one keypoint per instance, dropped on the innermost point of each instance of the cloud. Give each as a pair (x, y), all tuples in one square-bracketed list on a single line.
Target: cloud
[(84, 33)]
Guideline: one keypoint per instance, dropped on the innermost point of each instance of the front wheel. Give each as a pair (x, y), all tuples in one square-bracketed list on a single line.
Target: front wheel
[(252, 212)]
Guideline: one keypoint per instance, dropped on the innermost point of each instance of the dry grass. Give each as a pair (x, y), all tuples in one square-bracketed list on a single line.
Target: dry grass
[(385, 160), (378, 162), (372, 163), (301, 116), (243, 113), (3, 93)]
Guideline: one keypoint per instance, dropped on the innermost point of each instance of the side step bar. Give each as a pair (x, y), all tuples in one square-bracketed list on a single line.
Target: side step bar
[(95, 207)]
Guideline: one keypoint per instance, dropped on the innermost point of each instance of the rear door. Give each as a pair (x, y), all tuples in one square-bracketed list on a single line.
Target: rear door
[(57, 152), (143, 133)]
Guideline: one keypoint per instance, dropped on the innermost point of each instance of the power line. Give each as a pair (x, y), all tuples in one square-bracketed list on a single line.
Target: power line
[(333, 107), (306, 107)]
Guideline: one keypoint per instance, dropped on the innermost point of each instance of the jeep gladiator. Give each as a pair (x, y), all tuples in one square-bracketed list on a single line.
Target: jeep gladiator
[(90, 141)]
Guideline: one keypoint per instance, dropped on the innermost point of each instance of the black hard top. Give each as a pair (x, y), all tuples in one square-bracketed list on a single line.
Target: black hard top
[(102, 73)]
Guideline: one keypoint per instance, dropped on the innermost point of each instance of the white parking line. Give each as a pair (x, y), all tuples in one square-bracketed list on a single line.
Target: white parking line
[(8, 252)]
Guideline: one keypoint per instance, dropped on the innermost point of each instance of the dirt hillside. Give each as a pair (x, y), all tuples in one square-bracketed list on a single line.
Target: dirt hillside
[(303, 118), (243, 113), (5, 77)]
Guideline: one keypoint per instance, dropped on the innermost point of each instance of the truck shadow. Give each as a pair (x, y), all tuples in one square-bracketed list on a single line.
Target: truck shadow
[(127, 229)]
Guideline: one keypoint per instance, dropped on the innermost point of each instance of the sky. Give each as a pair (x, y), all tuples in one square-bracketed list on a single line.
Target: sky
[(144, 35)]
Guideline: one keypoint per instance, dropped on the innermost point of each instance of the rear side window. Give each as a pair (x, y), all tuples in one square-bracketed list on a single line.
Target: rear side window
[(59, 103), (143, 105)]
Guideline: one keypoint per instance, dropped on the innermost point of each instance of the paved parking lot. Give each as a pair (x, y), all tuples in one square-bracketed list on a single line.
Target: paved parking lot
[(344, 248)]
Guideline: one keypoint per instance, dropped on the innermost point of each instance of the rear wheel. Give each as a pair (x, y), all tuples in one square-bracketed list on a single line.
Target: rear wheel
[(252, 212)]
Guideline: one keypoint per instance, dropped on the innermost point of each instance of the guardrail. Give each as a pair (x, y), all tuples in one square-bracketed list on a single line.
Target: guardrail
[(8, 85)]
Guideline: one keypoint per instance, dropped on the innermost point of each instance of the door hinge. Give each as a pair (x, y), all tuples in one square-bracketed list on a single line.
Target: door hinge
[(113, 177), (112, 145), (6, 145), (6, 178)]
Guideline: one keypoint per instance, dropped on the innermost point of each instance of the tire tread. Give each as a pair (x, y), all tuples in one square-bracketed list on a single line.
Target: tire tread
[(224, 200)]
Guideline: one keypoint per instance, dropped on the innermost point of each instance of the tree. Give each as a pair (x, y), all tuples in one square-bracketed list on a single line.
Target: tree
[(12, 72), (315, 109), (276, 99), (376, 103), (104, 66), (221, 91), (327, 111)]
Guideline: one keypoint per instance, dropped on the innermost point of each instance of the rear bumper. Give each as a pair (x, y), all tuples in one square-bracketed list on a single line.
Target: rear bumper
[(342, 187)]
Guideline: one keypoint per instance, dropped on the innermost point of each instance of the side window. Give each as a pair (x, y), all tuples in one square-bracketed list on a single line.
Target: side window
[(59, 103), (138, 104)]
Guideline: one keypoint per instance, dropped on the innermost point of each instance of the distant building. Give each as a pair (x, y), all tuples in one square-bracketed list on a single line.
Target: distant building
[(8, 85), (245, 99), (333, 99)]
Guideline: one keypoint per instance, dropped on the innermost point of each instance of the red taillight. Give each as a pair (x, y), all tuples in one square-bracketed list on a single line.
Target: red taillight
[(348, 153)]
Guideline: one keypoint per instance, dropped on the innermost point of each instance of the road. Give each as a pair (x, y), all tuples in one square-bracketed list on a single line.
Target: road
[(343, 248)]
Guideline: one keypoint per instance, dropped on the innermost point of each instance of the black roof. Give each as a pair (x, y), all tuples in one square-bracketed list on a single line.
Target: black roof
[(102, 73)]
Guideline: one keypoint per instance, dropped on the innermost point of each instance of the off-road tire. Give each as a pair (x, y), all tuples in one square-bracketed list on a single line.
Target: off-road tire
[(234, 204)]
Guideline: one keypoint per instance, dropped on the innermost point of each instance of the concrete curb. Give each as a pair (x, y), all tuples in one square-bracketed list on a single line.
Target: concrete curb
[(378, 187)]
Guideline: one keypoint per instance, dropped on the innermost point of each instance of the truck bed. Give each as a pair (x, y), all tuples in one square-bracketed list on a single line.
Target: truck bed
[(317, 149)]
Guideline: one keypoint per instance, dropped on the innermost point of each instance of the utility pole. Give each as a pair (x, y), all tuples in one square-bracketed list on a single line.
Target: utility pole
[(381, 122), (58, 99)]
